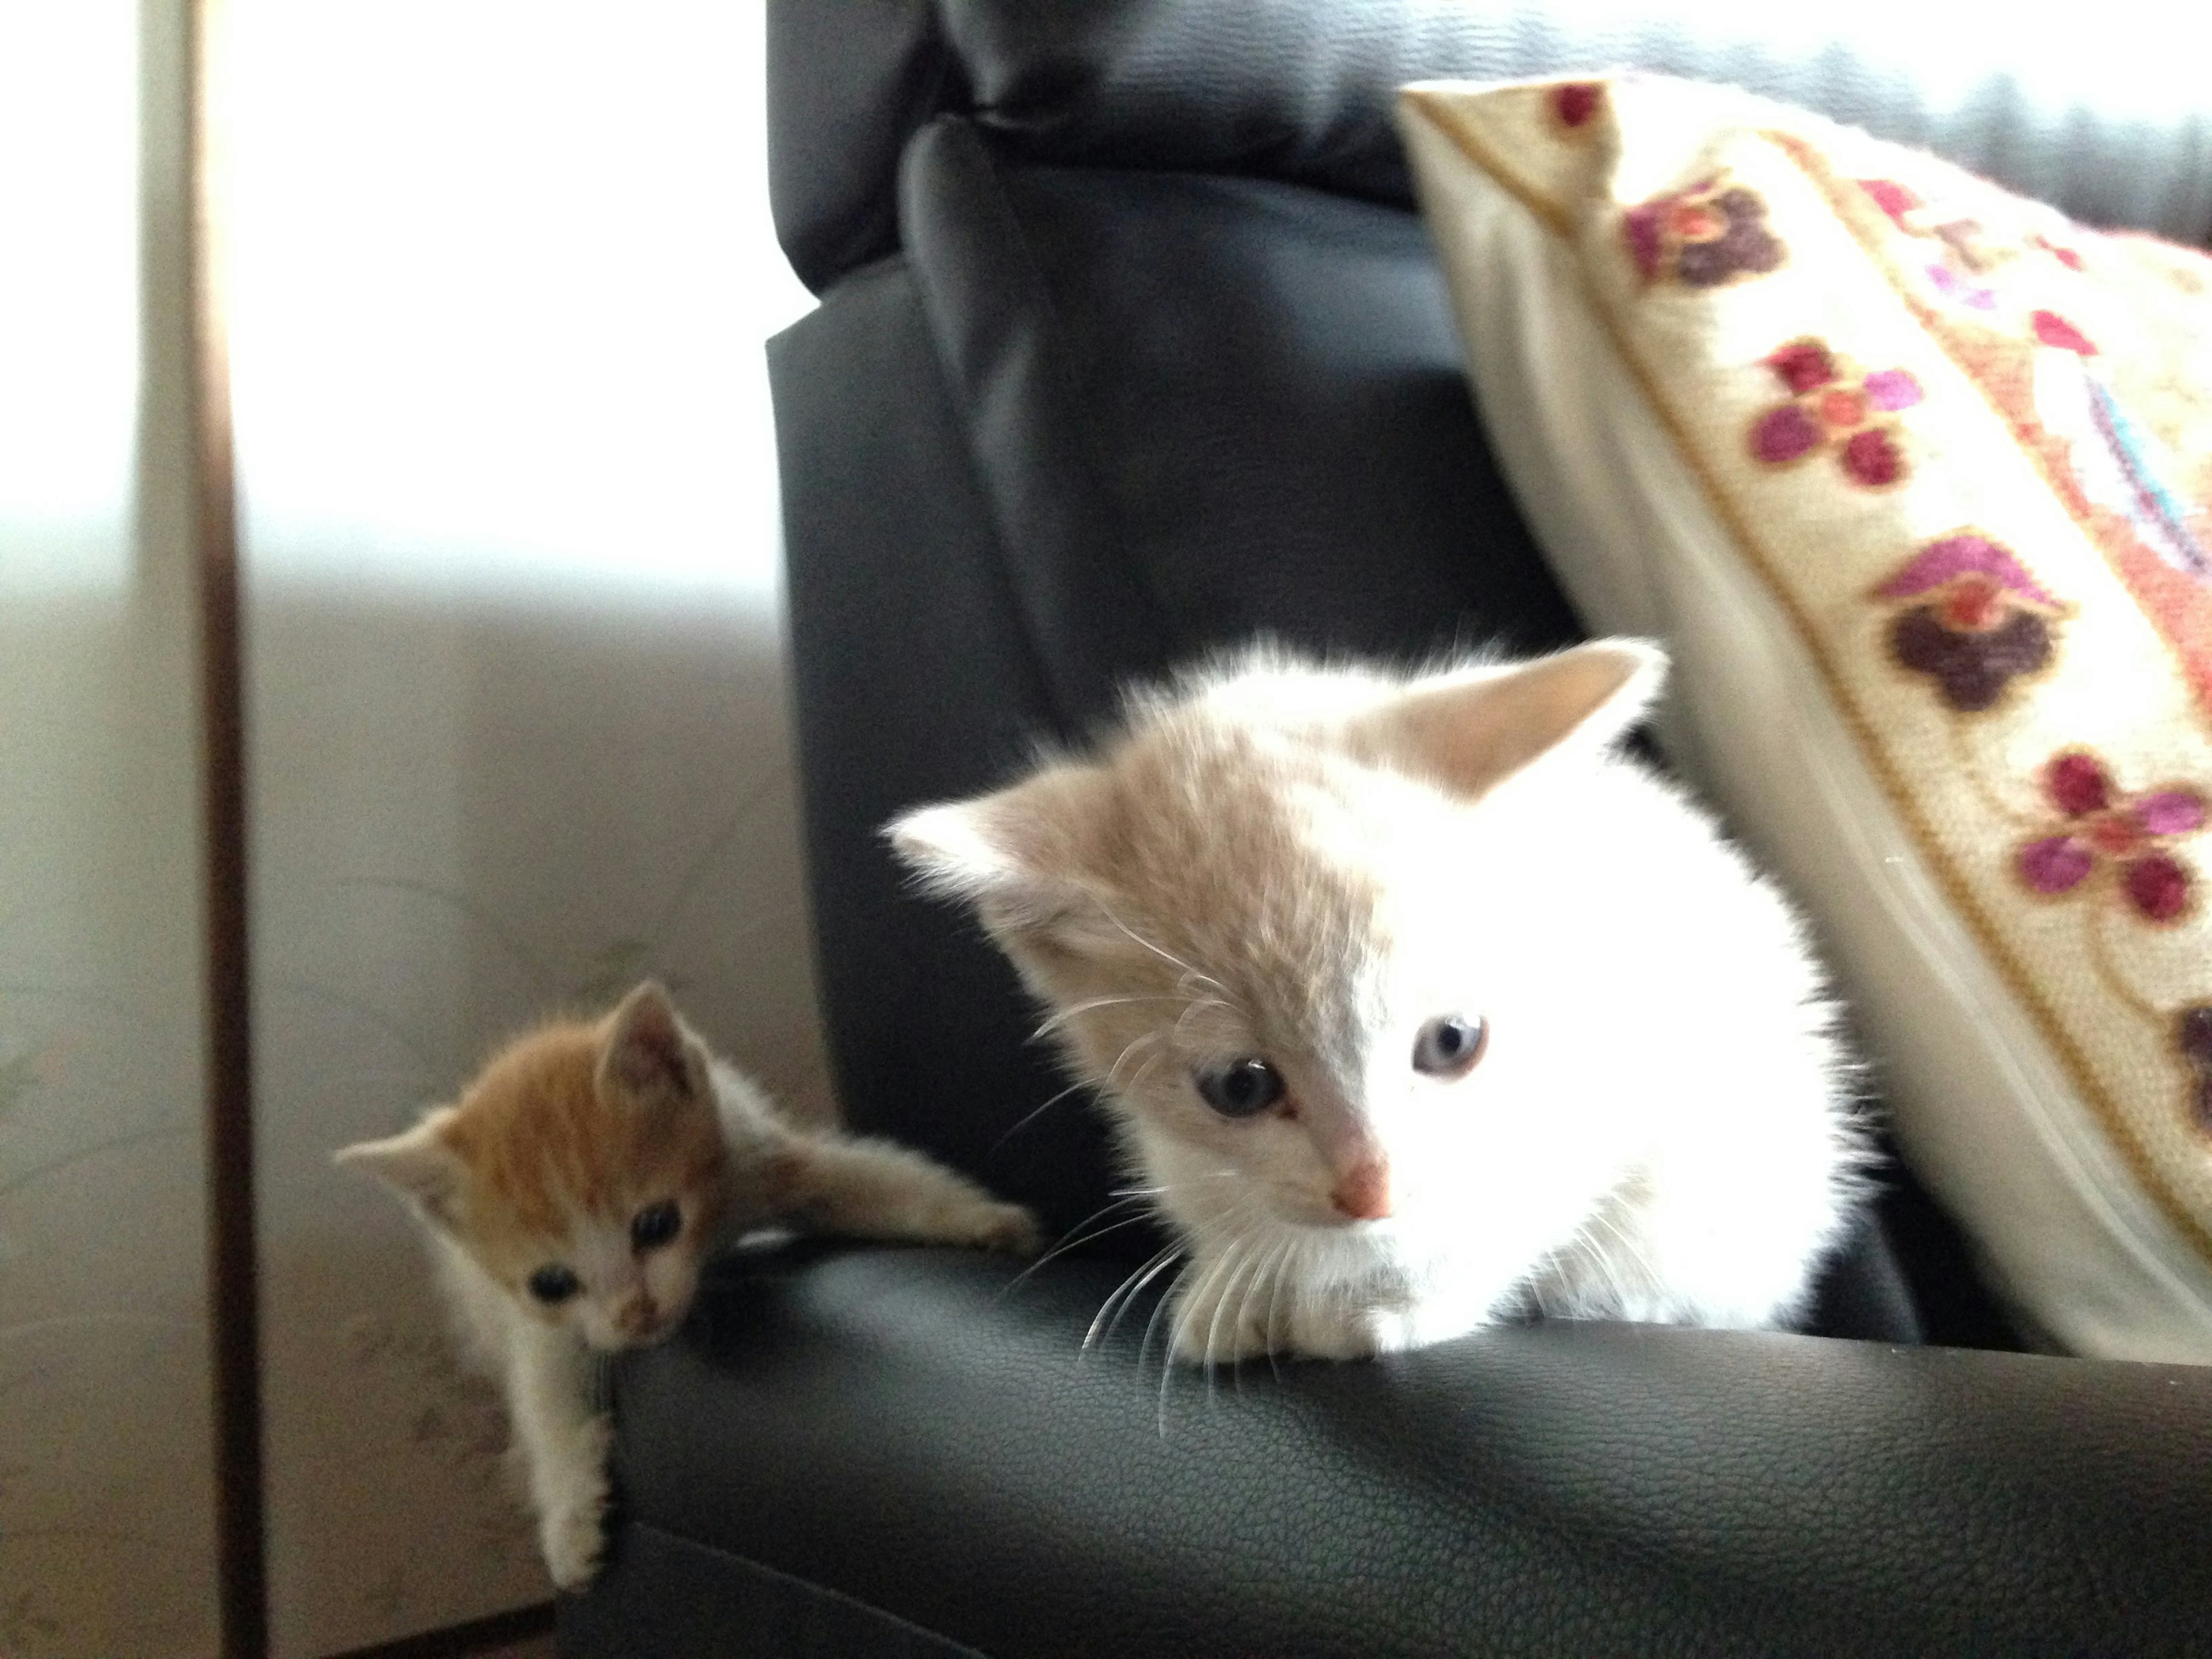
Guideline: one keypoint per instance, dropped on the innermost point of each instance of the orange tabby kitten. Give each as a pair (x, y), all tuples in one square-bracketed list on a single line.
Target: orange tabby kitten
[(573, 1193)]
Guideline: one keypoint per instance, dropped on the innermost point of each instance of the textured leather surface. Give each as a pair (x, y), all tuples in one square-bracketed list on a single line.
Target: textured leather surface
[(913, 679), (1032, 420), (1301, 90), (665, 1597), (912, 1430), (848, 82)]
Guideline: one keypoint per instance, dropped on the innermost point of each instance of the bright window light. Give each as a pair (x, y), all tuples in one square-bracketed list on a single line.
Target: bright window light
[(68, 292), (501, 276)]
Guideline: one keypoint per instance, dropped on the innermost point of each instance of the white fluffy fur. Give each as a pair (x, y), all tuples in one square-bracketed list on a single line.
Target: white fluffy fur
[(1304, 865)]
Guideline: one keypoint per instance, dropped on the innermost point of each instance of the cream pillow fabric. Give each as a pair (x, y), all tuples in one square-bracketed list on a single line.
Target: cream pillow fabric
[(1913, 476)]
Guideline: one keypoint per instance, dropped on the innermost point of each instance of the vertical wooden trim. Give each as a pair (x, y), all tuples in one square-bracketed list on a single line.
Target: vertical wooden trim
[(234, 1310)]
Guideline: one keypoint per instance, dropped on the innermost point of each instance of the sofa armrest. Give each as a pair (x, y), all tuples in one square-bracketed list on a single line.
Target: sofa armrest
[(923, 1435)]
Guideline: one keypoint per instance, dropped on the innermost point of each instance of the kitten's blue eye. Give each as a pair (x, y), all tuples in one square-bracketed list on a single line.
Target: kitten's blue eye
[(655, 1225), (1241, 1088), (554, 1284), (1449, 1045)]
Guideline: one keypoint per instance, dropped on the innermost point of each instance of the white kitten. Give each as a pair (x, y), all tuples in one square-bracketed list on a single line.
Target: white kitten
[(1418, 1007), (572, 1194)]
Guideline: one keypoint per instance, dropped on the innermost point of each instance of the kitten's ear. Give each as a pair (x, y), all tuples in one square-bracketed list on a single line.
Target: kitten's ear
[(1473, 729), (650, 1057), (1015, 854), (418, 1164)]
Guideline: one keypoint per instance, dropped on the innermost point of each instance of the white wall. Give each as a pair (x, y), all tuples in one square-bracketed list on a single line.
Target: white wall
[(105, 1488), (503, 269)]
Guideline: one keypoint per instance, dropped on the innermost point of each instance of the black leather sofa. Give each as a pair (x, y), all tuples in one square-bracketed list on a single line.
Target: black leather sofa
[(1130, 343)]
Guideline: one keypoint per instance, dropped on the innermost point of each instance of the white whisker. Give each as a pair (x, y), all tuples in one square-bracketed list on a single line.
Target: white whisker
[(1221, 1307), (1171, 1297), (1165, 1188), (1174, 1299), (1193, 976), (1142, 1071), (1053, 1022), (1201, 1003), (1031, 1117), (1076, 1236), (1283, 1267), (1129, 1289), (1167, 957), (1270, 1278), (1127, 1048)]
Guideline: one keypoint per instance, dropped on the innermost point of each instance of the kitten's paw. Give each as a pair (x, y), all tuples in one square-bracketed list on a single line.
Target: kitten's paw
[(1199, 1346), (572, 1521), (1363, 1333), (1009, 1228), (1206, 1331), (574, 1541)]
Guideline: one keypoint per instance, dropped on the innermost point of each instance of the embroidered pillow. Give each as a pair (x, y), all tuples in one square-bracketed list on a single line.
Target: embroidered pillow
[(1914, 475)]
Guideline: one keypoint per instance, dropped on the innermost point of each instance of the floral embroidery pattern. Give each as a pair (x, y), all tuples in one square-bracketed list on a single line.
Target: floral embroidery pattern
[(1708, 234), (1967, 243), (1830, 409), (1575, 101), (1969, 253), (1948, 284), (1981, 623), (2089, 851), (2104, 829), (1966, 254), (2052, 329), (2065, 256), (2193, 1036)]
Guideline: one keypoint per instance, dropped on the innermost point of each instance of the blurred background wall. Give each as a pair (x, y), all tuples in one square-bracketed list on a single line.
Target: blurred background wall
[(499, 276)]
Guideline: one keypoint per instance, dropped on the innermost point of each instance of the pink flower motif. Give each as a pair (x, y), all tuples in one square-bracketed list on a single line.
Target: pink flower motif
[(1830, 407), (2065, 256), (1951, 286), (1967, 251), (2104, 829), (2052, 329), (1891, 197)]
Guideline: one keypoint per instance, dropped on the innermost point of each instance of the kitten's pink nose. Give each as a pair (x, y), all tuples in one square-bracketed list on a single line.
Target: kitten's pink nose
[(635, 1315), (1363, 1192)]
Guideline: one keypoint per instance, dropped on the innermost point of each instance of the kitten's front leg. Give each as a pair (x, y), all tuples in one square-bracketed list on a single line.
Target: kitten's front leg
[(1342, 1327), (1231, 1307), (563, 1444), (1223, 1310), (873, 1189)]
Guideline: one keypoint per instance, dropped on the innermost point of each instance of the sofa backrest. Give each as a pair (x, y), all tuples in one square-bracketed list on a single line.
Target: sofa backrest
[(1302, 89)]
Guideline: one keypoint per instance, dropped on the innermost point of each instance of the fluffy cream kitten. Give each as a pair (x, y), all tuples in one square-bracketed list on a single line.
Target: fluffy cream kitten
[(1418, 1005), (572, 1194)]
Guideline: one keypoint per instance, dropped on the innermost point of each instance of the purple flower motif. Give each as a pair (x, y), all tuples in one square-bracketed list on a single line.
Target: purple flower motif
[(1942, 562), (1784, 434), (1951, 286), (2193, 1036), (1983, 621), (1891, 389), (1710, 234), (2056, 865)]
